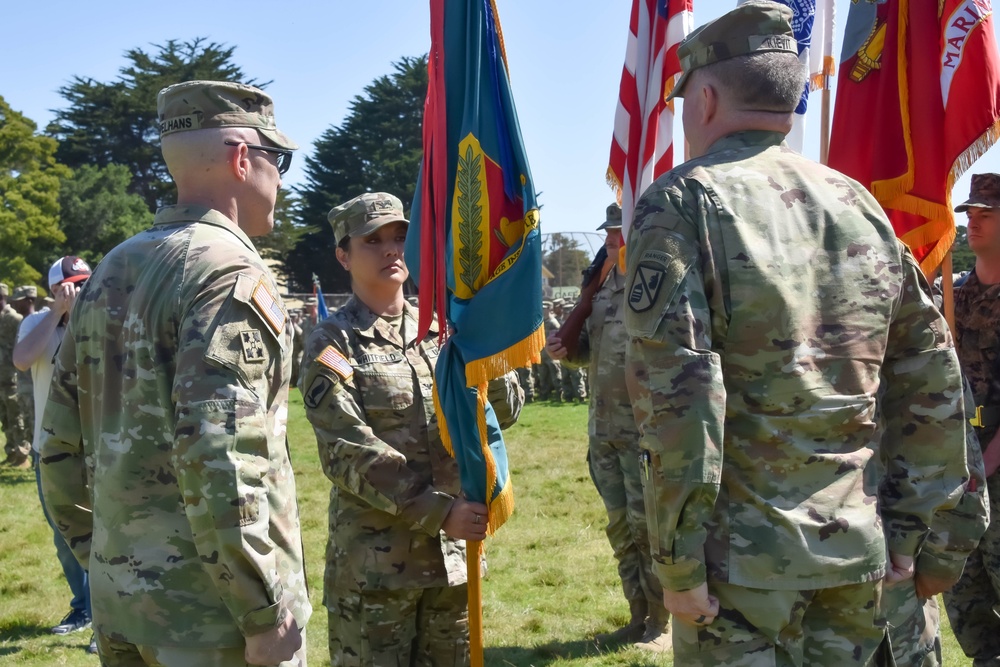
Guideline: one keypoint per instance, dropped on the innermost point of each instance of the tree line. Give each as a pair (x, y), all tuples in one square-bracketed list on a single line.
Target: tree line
[(95, 176)]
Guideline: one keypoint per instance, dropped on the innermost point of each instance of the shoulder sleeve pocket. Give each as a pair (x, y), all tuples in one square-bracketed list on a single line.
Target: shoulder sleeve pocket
[(249, 335)]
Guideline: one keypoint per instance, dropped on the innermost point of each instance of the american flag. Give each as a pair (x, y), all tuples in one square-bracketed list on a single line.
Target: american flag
[(641, 148)]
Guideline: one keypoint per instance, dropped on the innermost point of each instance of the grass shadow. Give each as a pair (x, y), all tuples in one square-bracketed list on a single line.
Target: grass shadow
[(551, 652), (16, 476), (19, 629)]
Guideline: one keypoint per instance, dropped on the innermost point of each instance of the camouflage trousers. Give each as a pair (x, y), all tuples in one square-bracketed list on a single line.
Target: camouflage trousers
[(18, 440), (831, 627), (526, 378), (914, 626), (614, 468), (973, 605), (548, 376), (426, 627), (574, 383), (26, 401), (123, 654)]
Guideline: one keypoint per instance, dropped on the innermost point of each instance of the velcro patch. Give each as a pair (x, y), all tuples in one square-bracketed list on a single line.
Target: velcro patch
[(336, 362), (253, 346), (268, 307)]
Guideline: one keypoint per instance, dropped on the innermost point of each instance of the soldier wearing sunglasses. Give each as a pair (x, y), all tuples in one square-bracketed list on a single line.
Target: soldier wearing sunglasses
[(170, 395)]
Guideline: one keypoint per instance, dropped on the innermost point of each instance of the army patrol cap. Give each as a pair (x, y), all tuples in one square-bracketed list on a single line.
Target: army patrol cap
[(199, 105), (25, 292), (984, 193), (757, 26), (364, 214), (614, 217)]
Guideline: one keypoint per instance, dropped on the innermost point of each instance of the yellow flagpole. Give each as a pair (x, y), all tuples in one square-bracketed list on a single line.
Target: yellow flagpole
[(473, 549), (948, 290)]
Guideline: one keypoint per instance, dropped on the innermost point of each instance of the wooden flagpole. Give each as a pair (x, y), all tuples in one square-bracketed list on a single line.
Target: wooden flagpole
[(948, 290), (824, 130), (473, 551)]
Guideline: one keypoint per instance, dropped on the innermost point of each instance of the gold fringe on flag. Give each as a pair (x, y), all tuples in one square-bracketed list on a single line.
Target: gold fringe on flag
[(501, 507), (442, 424), (821, 80), (518, 355), (614, 184)]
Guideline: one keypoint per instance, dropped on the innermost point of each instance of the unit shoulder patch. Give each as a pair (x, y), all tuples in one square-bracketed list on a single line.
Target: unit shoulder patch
[(253, 346), (648, 280), (316, 391)]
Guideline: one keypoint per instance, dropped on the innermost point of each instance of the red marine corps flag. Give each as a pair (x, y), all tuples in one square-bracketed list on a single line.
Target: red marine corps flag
[(642, 145), (918, 101)]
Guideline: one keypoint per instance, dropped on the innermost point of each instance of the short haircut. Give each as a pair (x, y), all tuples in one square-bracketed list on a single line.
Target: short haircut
[(770, 81)]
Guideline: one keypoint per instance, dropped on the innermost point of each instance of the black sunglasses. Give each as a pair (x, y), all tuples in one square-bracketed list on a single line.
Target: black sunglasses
[(284, 154)]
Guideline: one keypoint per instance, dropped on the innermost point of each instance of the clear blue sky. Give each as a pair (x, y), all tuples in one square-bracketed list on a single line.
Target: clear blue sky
[(565, 62)]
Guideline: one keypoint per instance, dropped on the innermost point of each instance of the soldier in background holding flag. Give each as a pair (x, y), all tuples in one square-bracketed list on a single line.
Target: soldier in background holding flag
[(395, 581), (766, 294), (613, 450)]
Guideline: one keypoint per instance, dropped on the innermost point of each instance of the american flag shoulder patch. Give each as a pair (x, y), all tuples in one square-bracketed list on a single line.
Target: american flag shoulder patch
[(268, 307), (336, 362)]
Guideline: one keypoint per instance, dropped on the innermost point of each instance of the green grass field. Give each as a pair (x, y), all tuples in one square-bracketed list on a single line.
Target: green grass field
[(552, 582)]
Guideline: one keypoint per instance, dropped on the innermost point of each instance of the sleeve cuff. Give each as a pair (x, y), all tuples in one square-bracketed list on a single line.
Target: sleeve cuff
[(262, 620), (941, 565), (428, 510), (682, 575)]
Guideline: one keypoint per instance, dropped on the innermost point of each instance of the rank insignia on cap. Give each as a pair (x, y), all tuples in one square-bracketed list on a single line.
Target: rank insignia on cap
[(253, 345), (336, 362), (270, 309)]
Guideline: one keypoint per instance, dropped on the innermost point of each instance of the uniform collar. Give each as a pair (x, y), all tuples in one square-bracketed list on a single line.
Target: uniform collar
[(369, 325), (738, 140), (177, 214)]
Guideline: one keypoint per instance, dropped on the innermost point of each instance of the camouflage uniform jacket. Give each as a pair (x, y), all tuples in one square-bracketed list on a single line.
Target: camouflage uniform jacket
[(173, 376), (10, 320), (603, 342), (368, 395), (977, 320), (977, 324), (765, 295)]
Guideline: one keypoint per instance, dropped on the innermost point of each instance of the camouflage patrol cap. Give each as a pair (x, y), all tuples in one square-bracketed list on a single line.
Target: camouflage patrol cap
[(364, 214), (25, 292), (198, 105), (614, 217), (757, 26), (984, 193)]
